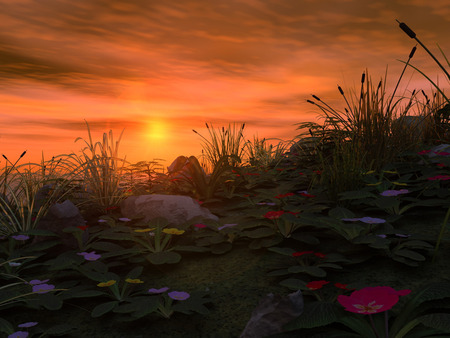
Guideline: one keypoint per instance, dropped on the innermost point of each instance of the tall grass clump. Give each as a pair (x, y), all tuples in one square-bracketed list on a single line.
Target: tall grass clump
[(28, 191), (101, 169), (223, 143), (368, 134), (262, 153)]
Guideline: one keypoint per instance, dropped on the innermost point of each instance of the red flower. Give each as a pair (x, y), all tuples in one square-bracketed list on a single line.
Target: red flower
[(301, 253), (82, 227), (317, 284), (112, 208), (423, 152), (342, 286), (319, 254), (285, 195), (317, 172), (441, 165), (301, 173), (274, 214), (293, 212), (200, 225), (371, 299)]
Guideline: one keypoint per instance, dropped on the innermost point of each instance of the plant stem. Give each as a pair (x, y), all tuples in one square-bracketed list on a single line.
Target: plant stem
[(386, 327), (373, 326), (441, 234)]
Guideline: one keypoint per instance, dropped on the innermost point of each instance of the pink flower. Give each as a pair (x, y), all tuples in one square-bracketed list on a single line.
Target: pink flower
[(371, 299), (274, 214), (315, 285), (442, 153), (439, 177), (200, 225), (423, 152)]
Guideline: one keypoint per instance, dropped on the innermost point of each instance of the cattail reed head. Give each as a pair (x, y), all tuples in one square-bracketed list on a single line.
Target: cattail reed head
[(340, 90), (363, 77), (314, 96), (406, 29), (412, 52), (309, 101)]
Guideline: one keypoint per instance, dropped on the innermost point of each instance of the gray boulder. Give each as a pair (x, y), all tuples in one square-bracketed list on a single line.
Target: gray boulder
[(59, 217), (176, 209), (272, 313)]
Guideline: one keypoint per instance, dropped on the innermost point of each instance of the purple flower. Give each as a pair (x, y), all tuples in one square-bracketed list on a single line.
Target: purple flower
[(394, 192), (124, 219), (382, 236), (27, 324), (21, 237), (368, 220), (89, 256), (18, 334), (158, 290), (102, 221), (43, 288), (226, 226), (37, 281), (179, 295), (402, 235)]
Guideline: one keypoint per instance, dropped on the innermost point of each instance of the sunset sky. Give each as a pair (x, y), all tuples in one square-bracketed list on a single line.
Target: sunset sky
[(162, 68)]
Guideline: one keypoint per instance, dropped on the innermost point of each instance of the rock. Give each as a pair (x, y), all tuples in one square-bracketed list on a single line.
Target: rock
[(176, 209), (65, 209), (272, 313), (59, 217)]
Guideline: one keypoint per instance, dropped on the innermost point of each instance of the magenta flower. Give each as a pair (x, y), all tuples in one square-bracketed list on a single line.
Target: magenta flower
[(155, 291), (28, 324), (200, 225), (394, 192), (439, 177), (18, 334), (43, 288), (371, 299), (89, 256), (179, 295), (21, 237)]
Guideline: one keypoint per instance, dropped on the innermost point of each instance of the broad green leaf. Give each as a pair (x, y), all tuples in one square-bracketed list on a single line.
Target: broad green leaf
[(107, 246), (410, 254), (413, 308), (340, 213), (190, 248), (5, 326), (439, 321), (259, 232), (315, 314), (135, 273), (103, 308), (282, 251), (310, 270), (355, 195), (60, 329), (221, 248), (50, 301), (305, 238), (278, 272)]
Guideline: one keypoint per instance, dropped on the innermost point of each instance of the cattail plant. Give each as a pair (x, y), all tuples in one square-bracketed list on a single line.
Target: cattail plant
[(223, 142)]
